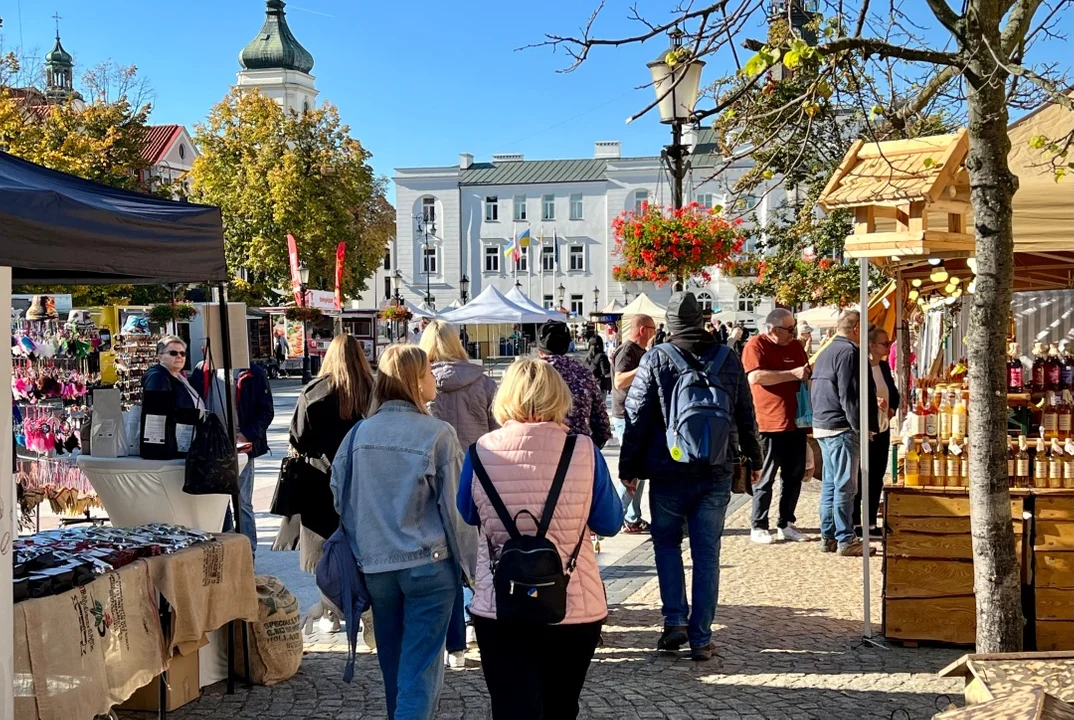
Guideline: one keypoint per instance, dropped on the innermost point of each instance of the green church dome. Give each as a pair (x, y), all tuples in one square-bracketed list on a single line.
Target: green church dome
[(275, 46)]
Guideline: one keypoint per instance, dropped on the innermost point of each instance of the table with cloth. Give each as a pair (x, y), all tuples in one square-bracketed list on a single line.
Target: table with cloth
[(79, 653)]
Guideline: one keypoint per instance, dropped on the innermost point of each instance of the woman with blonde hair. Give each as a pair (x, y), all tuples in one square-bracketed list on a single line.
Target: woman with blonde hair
[(536, 670), (394, 481), (463, 400)]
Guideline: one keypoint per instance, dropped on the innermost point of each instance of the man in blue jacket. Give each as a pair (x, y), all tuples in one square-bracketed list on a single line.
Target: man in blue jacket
[(253, 400), (694, 493), (836, 413)]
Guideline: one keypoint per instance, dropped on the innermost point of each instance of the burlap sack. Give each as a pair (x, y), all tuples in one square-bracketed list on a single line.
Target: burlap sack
[(276, 637)]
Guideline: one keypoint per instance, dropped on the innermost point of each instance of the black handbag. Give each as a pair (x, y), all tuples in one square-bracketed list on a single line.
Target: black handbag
[(212, 466), (284, 500)]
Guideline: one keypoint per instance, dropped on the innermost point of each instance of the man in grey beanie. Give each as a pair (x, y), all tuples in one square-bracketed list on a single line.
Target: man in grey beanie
[(695, 492)]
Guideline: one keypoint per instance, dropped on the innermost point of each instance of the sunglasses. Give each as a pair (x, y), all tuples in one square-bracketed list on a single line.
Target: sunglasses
[(176, 353)]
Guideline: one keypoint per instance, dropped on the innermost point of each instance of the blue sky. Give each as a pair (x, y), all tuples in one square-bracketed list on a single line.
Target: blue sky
[(416, 86)]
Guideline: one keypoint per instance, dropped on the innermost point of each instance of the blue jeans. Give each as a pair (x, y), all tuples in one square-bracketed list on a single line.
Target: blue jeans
[(703, 505), (456, 632), (411, 610), (246, 505), (631, 501), (838, 486)]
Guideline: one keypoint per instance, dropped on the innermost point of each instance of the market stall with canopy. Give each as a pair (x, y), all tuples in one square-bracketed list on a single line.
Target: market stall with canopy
[(496, 312), (642, 305), (519, 298), (59, 229)]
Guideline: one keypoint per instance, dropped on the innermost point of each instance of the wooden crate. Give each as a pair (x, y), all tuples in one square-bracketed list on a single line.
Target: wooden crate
[(1053, 578), (916, 578), (940, 619), (1055, 635)]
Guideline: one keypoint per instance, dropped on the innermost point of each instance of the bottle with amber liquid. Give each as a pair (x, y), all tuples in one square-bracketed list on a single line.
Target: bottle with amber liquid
[(1055, 465), (919, 414), (1021, 471), (911, 473), (953, 465), (944, 412), (1012, 459), (1065, 411), (924, 469), (1049, 421), (1053, 370), (939, 465), (1015, 371), (959, 417), (932, 428), (1068, 465), (1037, 376), (964, 479), (1040, 465)]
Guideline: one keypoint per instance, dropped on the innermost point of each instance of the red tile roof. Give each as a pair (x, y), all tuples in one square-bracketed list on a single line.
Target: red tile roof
[(158, 141)]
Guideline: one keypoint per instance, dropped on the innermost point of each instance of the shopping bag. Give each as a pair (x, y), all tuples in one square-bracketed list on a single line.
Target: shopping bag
[(804, 418), (107, 432), (212, 467)]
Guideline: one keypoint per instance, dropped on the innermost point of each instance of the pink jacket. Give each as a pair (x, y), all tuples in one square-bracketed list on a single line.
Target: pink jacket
[(521, 460)]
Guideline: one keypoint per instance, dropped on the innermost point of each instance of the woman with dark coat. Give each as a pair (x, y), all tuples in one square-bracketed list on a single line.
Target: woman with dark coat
[(597, 361)]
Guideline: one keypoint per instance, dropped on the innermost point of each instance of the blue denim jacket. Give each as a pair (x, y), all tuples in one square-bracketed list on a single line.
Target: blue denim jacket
[(404, 467)]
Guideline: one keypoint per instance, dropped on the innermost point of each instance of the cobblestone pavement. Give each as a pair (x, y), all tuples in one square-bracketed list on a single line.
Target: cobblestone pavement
[(788, 629)]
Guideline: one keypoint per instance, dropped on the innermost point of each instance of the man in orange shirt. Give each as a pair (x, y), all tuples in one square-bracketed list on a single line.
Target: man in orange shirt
[(776, 366)]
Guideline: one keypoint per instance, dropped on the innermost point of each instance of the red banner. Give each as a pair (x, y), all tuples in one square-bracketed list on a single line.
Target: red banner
[(341, 251), (296, 281)]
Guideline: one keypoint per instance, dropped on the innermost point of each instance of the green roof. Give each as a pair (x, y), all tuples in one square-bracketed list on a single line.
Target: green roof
[(59, 56), (275, 47)]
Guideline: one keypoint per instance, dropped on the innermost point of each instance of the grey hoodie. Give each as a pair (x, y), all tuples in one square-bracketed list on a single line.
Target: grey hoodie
[(464, 399)]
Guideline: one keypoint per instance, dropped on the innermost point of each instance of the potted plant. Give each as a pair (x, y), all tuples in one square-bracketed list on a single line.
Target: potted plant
[(659, 244), (165, 313), (395, 313), (306, 314)]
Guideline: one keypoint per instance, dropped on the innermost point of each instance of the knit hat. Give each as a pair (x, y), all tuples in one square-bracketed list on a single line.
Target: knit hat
[(683, 313), (554, 338)]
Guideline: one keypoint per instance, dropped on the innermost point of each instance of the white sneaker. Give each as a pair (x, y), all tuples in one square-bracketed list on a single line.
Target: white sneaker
[(761, 536), (456, 660), (328, 623), (471, 636), (791, 534)]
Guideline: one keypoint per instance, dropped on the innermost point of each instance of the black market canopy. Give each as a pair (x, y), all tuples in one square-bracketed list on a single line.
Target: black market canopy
[(56, 228)]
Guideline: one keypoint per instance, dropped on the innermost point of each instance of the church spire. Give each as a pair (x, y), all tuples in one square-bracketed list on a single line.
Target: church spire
[(275, 47), (59, 70)]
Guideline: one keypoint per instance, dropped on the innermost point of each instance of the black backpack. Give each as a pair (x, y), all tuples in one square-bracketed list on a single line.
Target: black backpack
[(530, 582)]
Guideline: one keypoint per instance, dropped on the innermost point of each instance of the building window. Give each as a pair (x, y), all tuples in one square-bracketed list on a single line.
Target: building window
[(428, 210), (745, 305), (548, 207), (549, 303), (576, 206), (387, 259), (492, 209), (182, 151), (641, 199), (492, 259), (524, 259), (520, 207), (706, 200), (704, 299), (577, 255), (428, 265), (548, 258), (387, 287), (577, 305)]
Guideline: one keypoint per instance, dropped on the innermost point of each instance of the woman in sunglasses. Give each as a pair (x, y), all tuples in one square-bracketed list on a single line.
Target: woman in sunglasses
[(167, 375)]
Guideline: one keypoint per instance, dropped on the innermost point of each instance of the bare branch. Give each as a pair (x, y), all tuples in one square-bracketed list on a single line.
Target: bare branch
[(882, 49), (912, 107), (1018, 24), (946, 16)]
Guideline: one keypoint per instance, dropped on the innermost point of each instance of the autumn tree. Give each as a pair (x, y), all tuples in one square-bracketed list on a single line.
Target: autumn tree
[(980, 53), (272, 173)]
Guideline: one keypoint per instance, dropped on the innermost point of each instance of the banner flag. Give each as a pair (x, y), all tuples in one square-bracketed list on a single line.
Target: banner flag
[(296, 281), (341, 251)]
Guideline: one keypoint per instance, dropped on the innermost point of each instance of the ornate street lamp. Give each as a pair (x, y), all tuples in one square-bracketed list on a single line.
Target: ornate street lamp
[(464, 288), (596, 299), (397, 284), (426, 227), (562, 298)]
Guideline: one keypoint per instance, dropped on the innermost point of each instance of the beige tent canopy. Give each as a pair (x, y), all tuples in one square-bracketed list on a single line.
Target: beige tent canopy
[(642, 305), (612, 308)]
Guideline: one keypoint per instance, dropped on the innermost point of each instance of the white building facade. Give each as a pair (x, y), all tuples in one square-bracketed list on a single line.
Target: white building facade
[(473, 210)]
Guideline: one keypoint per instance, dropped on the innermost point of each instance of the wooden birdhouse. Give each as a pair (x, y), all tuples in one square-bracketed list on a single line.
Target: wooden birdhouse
[(909, 197)]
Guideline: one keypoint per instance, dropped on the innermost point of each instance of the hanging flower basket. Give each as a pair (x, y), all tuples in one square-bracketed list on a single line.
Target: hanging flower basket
[(659, 244), (303, 314), (395, 313), (743, 267), (167, 312)]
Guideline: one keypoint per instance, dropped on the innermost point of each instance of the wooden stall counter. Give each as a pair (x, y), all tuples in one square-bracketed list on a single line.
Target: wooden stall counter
[(928, 564)]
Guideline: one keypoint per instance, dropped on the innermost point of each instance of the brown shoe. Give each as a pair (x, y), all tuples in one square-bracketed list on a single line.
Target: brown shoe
[(828, 545), (854, 549)]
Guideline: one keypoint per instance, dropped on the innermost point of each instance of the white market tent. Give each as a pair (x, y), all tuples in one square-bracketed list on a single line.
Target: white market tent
[(612, 308), (519, 298), (823, 317), (642, 305), (456, 303), (491, 307), (422, 311)]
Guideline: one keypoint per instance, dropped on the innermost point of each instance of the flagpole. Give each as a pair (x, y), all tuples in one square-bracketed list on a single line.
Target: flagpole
[(514, 250), (529, 268)]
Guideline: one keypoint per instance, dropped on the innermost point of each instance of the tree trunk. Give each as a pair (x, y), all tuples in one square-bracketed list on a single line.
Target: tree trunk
[(995, 567)]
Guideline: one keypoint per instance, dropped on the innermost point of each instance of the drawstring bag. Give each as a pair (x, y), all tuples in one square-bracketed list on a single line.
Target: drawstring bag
[(804, 418), (212, 466)]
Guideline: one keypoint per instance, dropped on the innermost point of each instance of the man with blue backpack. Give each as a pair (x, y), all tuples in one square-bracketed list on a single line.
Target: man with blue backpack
[(689, 417)]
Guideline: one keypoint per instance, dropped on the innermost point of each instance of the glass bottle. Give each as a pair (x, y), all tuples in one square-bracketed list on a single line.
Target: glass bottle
[(1055, 465), (1012, 460), (919, 415), (943, 412), (1015, 371), (959, 417), (1068, 464), (1040, 466), (925, 468), (964, 480), (953, 466), (1067, 373), (911, 465), (1049, 422), (939, 465), (1053, 370), (1065, 411), (1037, 382), (1021, 471), (931, 420)]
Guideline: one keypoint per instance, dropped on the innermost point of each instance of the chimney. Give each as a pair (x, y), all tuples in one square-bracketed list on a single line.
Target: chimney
[(606, 149), (508, 157), (465, 161)]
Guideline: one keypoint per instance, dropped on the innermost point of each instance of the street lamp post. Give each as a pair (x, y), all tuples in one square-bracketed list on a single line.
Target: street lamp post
[(397, 300), (303, 279), (464, 288), (427, 227), (596, 298), (676, 86), (562, 299)]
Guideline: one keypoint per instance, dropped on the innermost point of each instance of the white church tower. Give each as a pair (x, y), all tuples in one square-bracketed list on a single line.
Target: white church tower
[(276, 63)]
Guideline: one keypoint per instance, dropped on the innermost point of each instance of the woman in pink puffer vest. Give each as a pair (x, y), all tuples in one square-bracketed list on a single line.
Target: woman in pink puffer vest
[(533, 670)]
